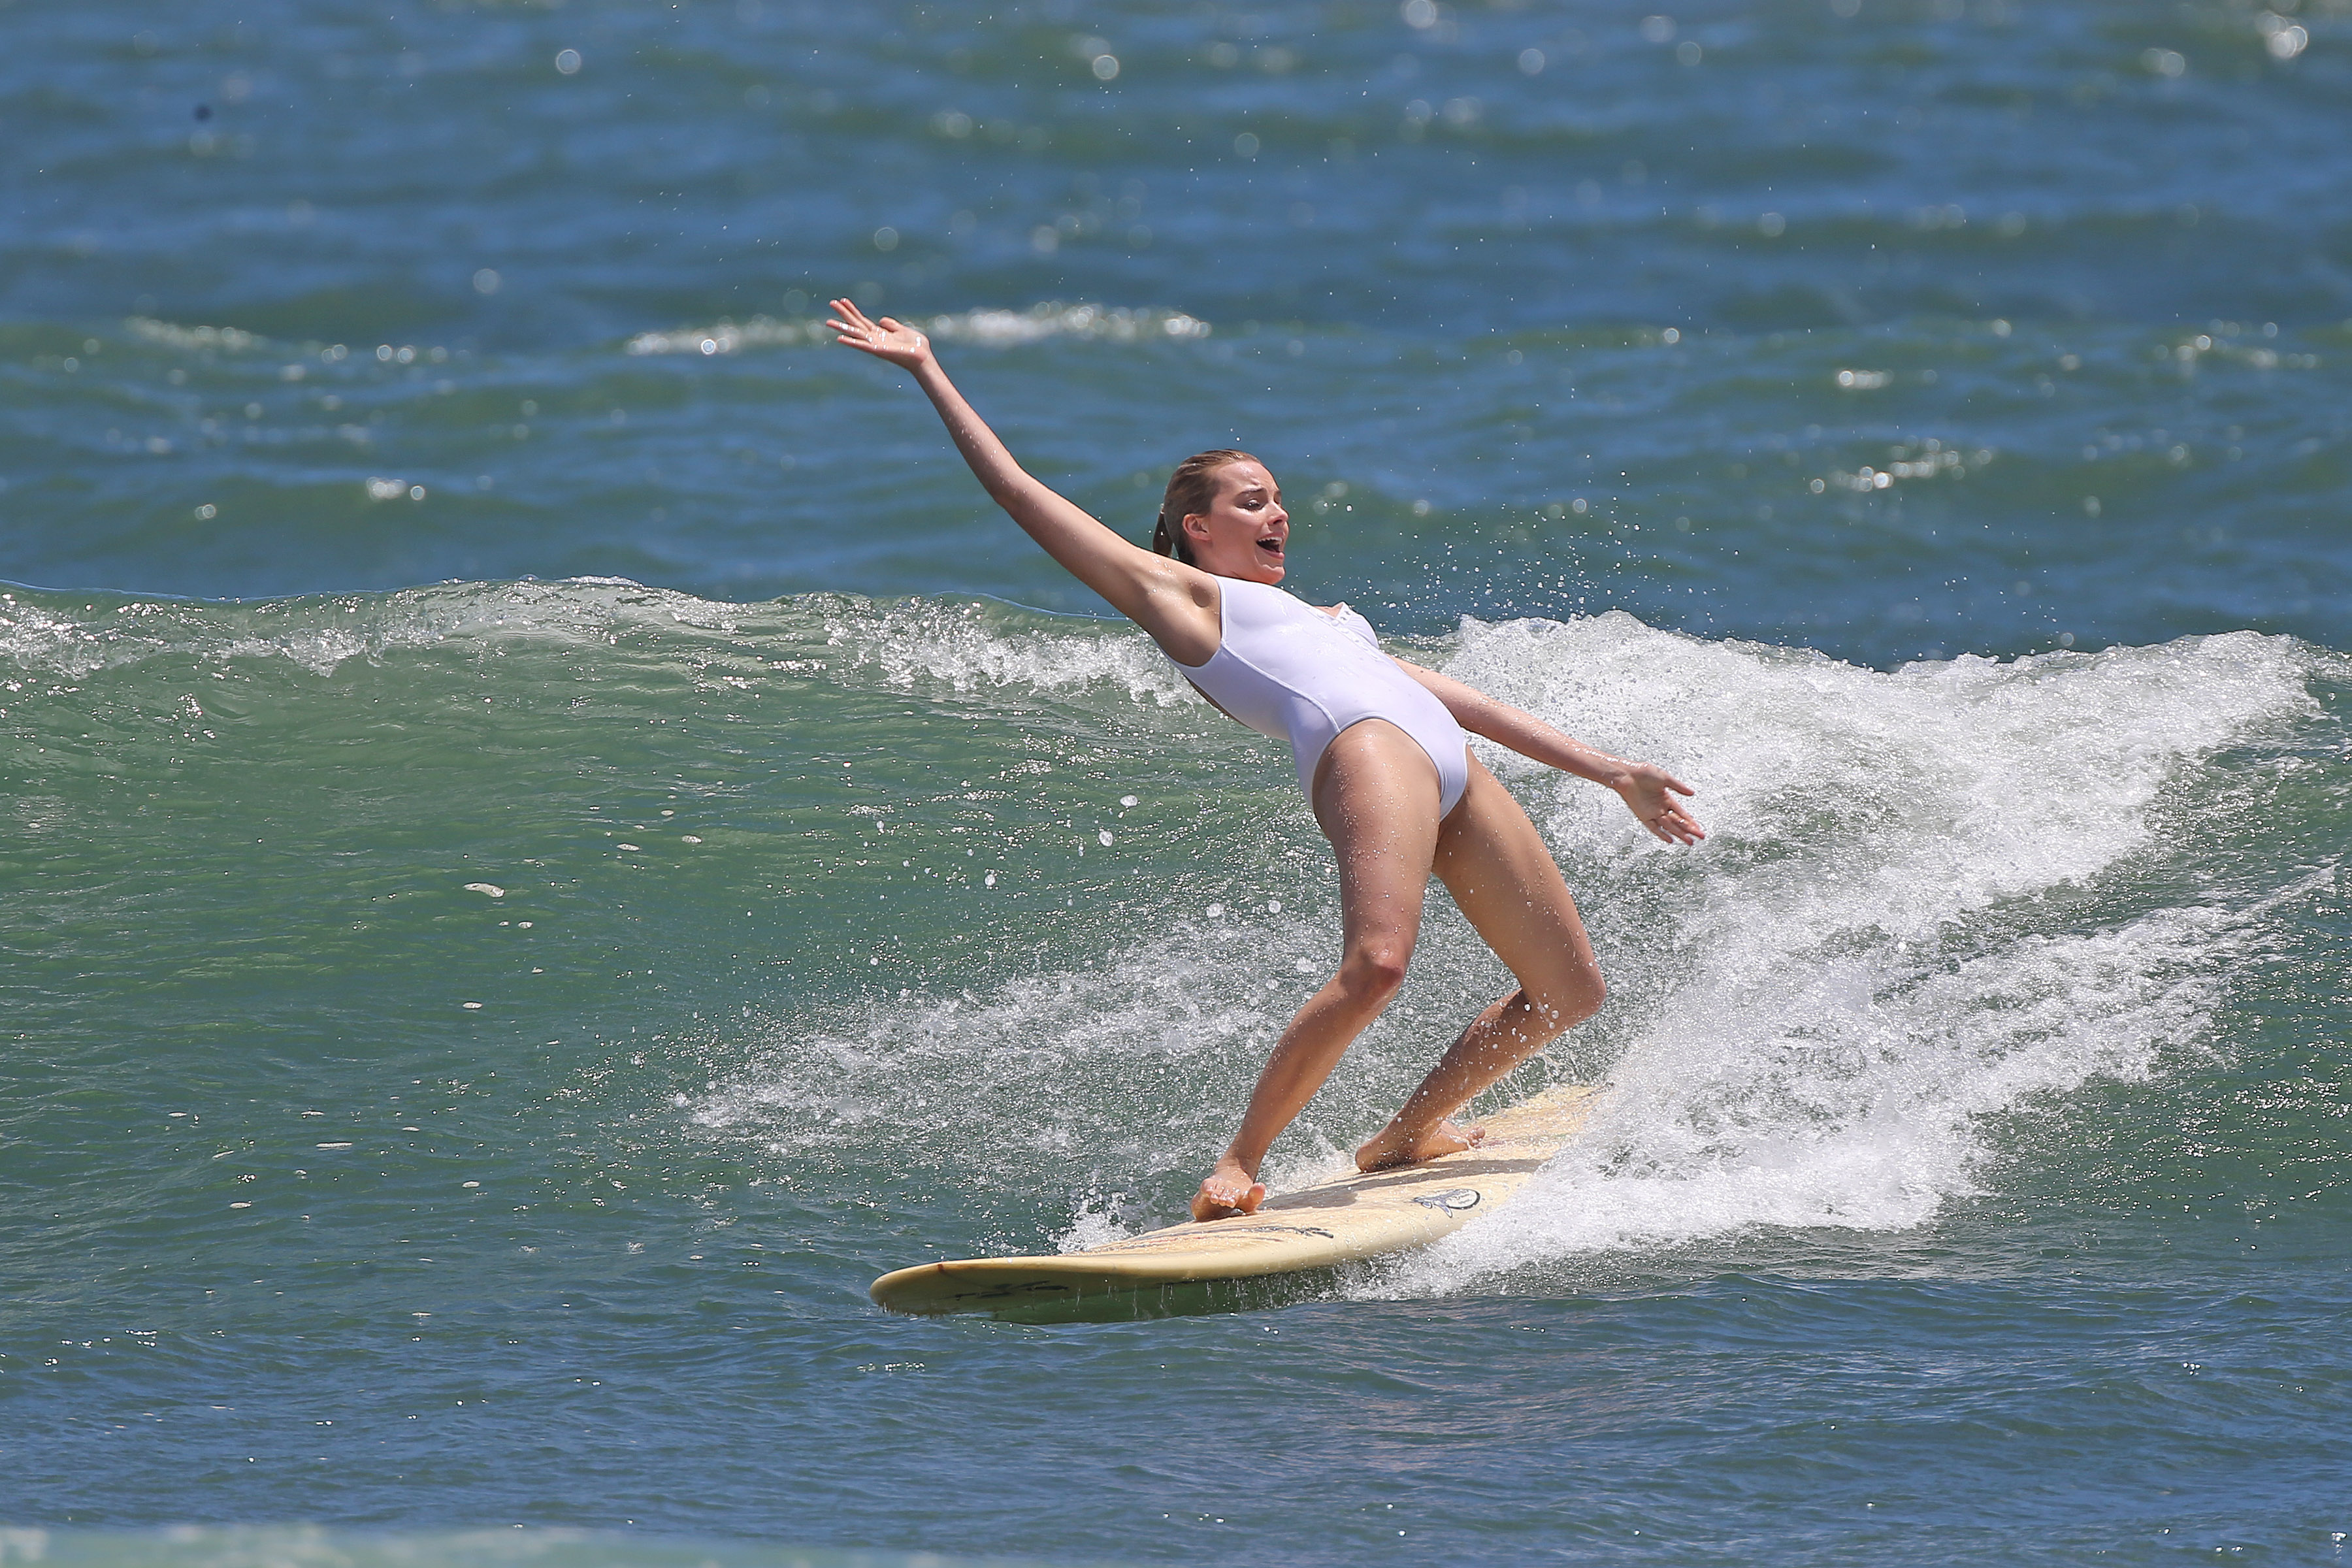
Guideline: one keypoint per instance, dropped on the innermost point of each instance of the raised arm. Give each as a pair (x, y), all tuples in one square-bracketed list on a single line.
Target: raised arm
[(1175, 603), (1647, 790)]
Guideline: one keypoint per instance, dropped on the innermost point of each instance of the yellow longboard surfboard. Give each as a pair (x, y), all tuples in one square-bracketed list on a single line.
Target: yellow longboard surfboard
[(1340, 1220)]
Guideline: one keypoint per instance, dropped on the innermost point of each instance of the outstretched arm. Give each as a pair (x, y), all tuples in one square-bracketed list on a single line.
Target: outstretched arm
[(1155, 593), (1647, 789)]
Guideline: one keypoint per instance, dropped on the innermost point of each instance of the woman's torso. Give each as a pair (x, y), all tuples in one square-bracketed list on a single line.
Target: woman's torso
[(1289, 670)]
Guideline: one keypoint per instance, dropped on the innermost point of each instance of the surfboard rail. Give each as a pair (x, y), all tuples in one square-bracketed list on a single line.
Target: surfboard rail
[(1342, 1219)]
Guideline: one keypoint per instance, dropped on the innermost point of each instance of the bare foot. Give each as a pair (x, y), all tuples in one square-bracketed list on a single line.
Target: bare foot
[(1227, 1191), (1391, 1148)]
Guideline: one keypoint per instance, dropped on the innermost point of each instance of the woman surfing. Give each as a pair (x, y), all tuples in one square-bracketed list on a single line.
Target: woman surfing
[(1381, 754)]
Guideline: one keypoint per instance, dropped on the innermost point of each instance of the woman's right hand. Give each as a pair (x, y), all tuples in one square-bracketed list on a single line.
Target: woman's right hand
[(886, 339)]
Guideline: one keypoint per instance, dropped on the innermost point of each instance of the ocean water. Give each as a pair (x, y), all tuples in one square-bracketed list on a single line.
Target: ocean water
[(556, 833)]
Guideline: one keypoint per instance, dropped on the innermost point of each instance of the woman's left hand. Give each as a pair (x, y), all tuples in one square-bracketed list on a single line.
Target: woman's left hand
[(1649, 794)]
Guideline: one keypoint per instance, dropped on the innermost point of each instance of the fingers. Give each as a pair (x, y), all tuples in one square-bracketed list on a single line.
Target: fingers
[(848, 321), (1674, 825), (1670, 824), (888, 339), (854, 329)]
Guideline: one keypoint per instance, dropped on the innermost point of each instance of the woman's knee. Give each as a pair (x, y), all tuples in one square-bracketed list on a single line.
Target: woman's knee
[(1374, 970), (1569, 996)]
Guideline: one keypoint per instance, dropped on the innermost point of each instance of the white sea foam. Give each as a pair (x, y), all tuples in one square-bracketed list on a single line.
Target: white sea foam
[(1092, 1080), (903, 644), (1105, 324), (321, 634), (37, 640), (926, 640), (1822, 1015), (1847, 1095), (990, 329), (171, 334)]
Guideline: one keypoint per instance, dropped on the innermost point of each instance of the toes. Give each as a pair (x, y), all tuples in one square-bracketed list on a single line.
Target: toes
[(1225, 1203), (1451, 1137)]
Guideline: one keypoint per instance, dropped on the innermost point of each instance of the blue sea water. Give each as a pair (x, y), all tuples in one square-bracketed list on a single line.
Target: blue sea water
[(557, 833)]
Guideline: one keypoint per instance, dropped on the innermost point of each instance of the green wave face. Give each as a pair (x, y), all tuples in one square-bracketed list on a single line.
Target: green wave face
[(750, 904)]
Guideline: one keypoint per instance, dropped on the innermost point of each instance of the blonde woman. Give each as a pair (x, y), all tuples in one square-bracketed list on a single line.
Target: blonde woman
[(1381, 754)]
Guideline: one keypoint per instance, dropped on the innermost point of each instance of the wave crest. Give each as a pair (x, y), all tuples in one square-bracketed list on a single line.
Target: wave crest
[(987, 328)]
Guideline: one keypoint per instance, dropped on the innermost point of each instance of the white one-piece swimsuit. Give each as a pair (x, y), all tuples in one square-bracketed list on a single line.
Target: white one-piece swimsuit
[(1286, 670)]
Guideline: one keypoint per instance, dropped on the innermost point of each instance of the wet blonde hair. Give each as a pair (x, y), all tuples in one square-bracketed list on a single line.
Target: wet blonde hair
[(1190, 489)]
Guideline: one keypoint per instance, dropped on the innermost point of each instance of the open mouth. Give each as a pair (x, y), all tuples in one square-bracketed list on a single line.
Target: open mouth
[(1272, 547)]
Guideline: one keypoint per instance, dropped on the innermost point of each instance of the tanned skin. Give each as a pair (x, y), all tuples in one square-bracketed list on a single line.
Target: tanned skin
[(1375, 795)]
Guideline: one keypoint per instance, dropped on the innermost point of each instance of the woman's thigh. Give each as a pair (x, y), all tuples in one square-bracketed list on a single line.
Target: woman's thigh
[(1504, 879), (1376, 796)]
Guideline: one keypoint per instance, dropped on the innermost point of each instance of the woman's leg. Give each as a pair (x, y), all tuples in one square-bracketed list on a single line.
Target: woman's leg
[(1501, 874), (1376, 795)]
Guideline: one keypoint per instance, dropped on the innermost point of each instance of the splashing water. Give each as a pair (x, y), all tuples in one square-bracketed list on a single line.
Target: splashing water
[(1927, 904), (1932, 895)]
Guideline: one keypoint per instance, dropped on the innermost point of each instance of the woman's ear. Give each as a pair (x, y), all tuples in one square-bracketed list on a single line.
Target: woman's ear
[(1196, 527)]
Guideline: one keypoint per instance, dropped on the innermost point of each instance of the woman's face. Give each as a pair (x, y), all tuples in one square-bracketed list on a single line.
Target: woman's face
[(1244, 531)]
